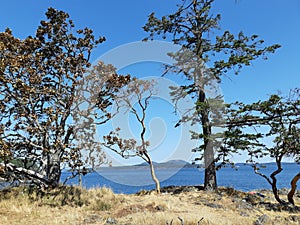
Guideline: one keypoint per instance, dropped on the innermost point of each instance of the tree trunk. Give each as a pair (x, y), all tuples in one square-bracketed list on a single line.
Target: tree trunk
[(20, 173), (80, 179), (53, 172), (274, 180), (210, 178), (275, 192), (293, 188), (154, 178)]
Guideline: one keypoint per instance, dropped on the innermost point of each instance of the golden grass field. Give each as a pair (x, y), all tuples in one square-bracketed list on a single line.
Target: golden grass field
[(74, 205)]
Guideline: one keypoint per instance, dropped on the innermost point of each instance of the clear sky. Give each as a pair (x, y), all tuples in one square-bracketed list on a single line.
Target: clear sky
[(275, 21)]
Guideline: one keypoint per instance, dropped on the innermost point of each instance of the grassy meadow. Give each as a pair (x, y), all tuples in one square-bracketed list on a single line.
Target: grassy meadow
[(189, 205)]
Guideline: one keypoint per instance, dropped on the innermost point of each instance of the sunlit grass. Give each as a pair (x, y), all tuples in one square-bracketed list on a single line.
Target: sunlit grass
[(75, 205)]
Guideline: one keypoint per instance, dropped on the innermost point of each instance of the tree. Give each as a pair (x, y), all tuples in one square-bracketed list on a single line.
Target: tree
[(193, 27), (253, 126), (293, 188), (40, 78), (135, 98), (95, 93)]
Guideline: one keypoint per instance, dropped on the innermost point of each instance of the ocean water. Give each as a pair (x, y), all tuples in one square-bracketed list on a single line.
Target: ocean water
[(132, 180)]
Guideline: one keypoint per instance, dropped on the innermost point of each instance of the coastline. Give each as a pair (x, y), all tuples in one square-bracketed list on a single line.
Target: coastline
[(132, 179)]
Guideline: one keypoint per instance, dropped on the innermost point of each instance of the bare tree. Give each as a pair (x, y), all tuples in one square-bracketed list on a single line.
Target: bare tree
[(134, 98)]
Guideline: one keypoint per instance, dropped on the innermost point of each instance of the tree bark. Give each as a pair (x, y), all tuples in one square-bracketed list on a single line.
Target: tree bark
[(276, 195), (20, 173), (154, 178), (53, 172), (293, 188), (274, 180), (210, 178), (210, 181)]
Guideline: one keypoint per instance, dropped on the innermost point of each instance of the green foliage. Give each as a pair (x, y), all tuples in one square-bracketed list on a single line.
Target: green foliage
[(276, 119), (192, 26), (266, 128), (205, 56)]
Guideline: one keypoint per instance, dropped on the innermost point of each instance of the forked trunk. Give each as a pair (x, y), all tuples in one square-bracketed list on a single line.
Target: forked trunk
[(274, 180)]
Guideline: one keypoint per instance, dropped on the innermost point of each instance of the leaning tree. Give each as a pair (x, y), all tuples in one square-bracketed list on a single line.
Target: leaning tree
[(135, 98), (40, 78), (268, 128), (211, 55)]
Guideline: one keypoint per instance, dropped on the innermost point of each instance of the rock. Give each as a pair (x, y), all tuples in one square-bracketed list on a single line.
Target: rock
[(244, 214), (143, 192), (271, 206), (137, 208), (294, 218), (283, 191), (277, 220), (189, 189), (160, 208), (244, 205), (202, 201), (281, 207), (111, 221), (91, 219), (291, 208), (252, 199), (213, 205), (236, 200), (260, 195), (262, 220)]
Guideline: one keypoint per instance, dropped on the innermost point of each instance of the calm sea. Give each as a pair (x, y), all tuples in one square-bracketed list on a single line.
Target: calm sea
[(132, 180)]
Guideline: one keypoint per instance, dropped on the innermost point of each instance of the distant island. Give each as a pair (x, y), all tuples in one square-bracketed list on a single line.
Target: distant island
[(163, 165), (168, 164)]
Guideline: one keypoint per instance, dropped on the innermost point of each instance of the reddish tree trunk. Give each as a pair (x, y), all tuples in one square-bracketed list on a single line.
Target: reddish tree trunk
[(293, 189)]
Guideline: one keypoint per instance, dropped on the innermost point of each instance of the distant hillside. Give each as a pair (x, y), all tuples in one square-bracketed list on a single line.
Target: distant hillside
[(171, 163)]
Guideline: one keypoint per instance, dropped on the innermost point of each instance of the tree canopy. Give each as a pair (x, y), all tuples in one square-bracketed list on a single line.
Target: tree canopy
[(207, 54), (267, 128), (52, 100), (40, 78)]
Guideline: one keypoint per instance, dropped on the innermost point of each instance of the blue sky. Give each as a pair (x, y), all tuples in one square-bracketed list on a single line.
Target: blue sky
[(275, 21)]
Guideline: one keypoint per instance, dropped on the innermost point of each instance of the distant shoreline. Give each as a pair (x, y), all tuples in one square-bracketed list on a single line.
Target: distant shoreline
[(183, 164)]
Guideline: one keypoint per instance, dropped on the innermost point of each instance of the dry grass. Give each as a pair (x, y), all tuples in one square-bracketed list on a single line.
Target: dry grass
[(73, 205)]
